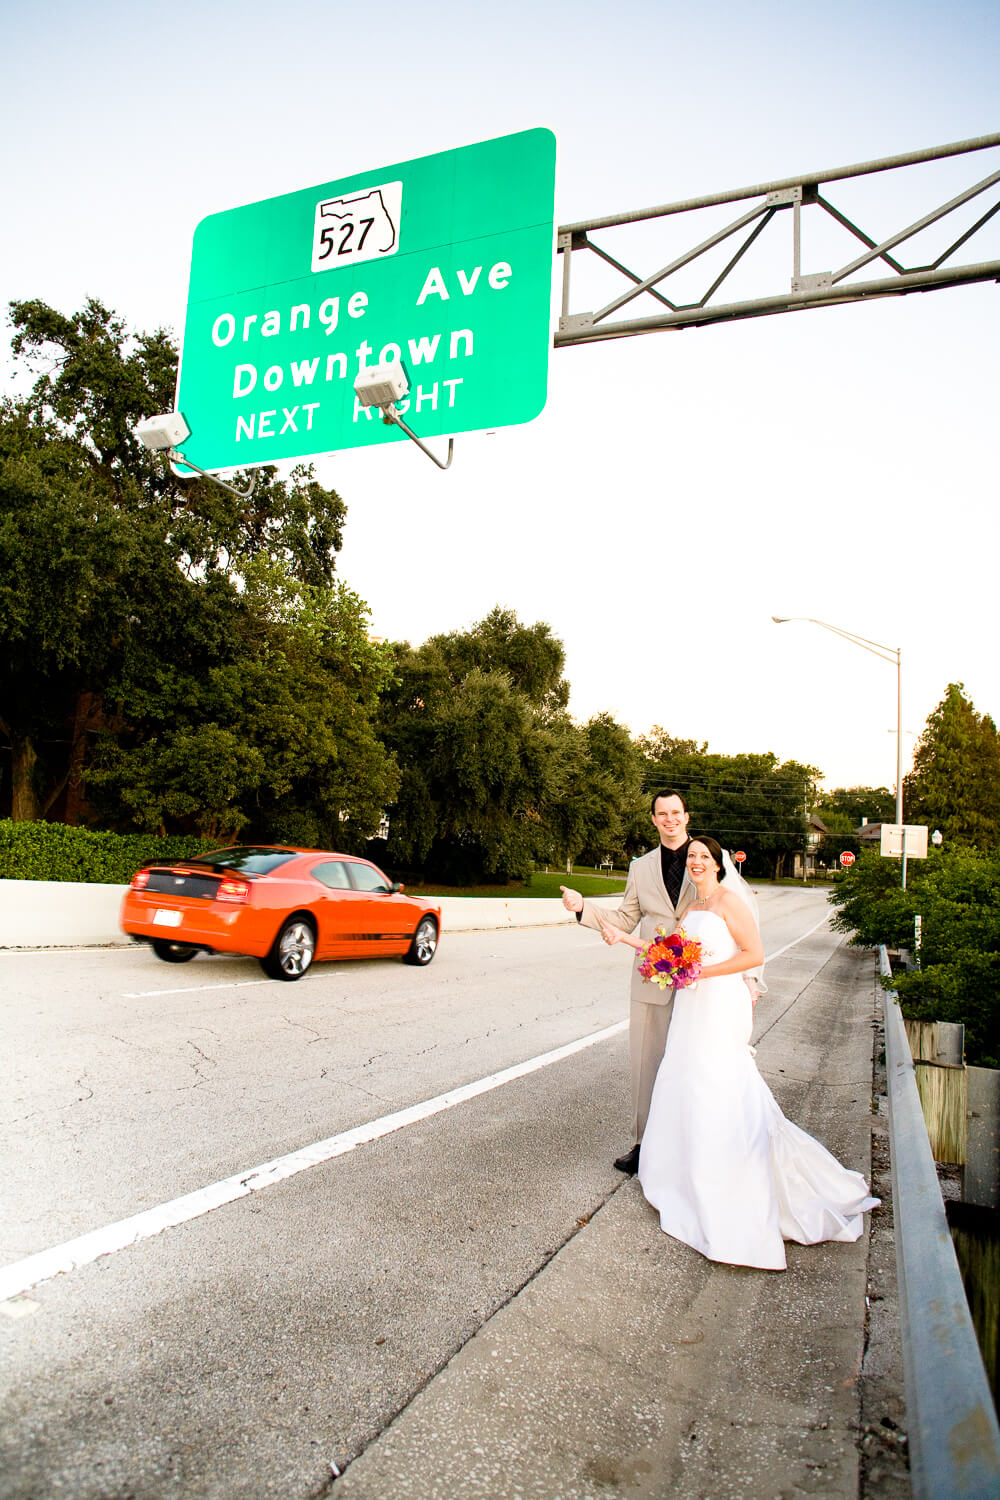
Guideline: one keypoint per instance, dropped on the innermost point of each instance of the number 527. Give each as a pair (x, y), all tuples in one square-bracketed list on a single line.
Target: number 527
[(345, 229)]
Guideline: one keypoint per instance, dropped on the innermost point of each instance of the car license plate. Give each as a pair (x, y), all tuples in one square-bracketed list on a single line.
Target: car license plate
[(164, 918)]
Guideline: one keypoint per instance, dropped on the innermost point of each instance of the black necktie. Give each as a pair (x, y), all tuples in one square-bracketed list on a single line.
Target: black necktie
[(674, 861)]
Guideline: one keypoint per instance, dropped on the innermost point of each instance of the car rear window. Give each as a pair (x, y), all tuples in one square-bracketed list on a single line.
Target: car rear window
[(334, 874), (367, 878), (248, 860)]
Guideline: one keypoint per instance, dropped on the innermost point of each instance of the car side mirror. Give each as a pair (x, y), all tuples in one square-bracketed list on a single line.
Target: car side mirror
[(396, 886)]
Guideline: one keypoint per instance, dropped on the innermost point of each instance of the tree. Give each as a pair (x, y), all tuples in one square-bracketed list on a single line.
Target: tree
[(95, 381), (184, 657), (275, 743), (598, 789), (63, 548), (747, 801), (843, 810), (955, 782), (530, 656), (476, 761), (476, 720), (855, 803)]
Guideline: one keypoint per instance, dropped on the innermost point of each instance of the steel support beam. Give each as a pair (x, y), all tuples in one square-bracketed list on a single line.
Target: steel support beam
[(806, 290)]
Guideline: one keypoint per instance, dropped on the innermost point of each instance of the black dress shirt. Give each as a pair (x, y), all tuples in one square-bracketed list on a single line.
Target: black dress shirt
[(673, 863)]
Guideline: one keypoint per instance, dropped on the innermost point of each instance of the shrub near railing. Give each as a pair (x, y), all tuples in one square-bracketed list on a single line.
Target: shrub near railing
[(956, 892), (54, 851)]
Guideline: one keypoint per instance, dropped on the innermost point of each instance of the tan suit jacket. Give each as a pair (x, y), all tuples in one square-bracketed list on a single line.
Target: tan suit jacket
[(645, 904)]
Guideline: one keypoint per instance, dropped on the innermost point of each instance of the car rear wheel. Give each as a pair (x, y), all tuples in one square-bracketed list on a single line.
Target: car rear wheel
[(293, 950), (173, 953), (424, 945)]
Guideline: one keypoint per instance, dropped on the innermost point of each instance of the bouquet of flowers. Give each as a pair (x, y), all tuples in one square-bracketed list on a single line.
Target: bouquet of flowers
[(670, 959)]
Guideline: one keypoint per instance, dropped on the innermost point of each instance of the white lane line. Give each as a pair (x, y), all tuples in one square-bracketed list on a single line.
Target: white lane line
[(232, 984), (195, 989), (23, 1274), (770, 957)]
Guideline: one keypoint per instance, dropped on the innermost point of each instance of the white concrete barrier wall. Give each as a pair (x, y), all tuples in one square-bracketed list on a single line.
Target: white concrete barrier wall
[(60, 914)]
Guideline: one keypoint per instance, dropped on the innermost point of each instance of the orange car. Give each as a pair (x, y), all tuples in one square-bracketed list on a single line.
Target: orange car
[(284, 906)]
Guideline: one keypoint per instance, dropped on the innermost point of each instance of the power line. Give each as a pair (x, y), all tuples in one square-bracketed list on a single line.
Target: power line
[(765, 779)]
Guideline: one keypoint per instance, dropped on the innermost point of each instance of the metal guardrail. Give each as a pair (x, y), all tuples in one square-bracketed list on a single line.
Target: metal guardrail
[(954, 1438)]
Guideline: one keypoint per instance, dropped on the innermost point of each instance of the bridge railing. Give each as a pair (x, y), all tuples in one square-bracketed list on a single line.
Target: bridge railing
[(952, 1426)]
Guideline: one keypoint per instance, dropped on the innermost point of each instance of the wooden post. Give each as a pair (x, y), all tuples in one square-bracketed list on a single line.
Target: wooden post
[(938, 1051)]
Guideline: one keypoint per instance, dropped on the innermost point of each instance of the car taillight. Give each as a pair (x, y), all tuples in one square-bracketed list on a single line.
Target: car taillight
[(233, 890), (140, 880)]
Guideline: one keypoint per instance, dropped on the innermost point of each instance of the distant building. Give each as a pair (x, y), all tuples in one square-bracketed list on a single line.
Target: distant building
[(807, 864)]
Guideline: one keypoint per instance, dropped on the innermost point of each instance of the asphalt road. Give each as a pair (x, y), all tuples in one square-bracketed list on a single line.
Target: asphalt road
[(247, 1350)]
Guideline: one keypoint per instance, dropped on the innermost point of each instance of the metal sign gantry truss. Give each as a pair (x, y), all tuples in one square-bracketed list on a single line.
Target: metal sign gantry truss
[(817, 289)]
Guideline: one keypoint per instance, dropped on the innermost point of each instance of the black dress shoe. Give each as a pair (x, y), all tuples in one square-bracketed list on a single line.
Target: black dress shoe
[(629, 1162)]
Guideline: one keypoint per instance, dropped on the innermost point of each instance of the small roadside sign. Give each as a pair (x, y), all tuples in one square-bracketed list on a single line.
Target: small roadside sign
[(442, 265), (739, 856), (847, 858), (899, 839)]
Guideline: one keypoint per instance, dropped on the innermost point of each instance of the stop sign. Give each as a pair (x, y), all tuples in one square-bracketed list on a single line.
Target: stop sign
[(847, 858), (739, 856)]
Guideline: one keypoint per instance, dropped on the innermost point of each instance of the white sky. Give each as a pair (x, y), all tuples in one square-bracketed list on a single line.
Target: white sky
[(677, 490)]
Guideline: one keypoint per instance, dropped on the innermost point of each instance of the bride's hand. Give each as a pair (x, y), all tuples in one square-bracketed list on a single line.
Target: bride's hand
[(611, 934)]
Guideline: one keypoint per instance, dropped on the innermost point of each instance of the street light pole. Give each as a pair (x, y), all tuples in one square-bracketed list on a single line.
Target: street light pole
[(885, 653)]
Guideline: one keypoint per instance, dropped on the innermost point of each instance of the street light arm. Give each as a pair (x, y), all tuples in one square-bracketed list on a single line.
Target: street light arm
[(884, 653), (887, 653)]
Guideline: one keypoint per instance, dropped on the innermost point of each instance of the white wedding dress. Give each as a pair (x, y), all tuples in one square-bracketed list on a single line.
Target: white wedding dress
[(728, 1173)]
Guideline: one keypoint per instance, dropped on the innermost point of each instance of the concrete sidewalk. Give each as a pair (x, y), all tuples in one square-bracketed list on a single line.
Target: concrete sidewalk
[(632, 1366)]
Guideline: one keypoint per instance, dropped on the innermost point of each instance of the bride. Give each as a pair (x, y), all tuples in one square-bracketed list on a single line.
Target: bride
[(728, 1173)]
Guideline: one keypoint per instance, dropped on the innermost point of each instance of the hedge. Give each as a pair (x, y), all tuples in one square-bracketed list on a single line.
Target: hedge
[(54, 851)]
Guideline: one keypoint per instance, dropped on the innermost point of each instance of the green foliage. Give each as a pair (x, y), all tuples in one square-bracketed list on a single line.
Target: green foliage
[(529, 656), (748, 802), (171, 657), (487, 755), (476, 767), (494, 772), (955, 782), (872, 906), (53, 851), (853, 803), (94, 382), (842, 811), (957, 895), (597, 790), (276, 742)]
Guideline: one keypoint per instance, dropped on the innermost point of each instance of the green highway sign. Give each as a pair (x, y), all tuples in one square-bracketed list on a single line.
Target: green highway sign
[(444, 264)]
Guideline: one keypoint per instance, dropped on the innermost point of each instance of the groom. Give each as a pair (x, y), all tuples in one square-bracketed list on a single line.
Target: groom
[(658, 892)]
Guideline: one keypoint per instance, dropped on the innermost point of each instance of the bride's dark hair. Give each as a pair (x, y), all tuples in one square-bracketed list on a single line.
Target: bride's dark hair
[(715, 850)]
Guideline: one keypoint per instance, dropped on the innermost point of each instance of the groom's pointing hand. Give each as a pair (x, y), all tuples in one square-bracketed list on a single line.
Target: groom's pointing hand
[(572, 900)]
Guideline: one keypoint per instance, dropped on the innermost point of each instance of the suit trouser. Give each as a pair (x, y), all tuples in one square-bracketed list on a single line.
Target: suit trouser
[(647, 1036)]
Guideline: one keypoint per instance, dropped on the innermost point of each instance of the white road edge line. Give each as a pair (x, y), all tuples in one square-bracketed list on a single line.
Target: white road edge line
[(770, 957), (70, 1256)]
